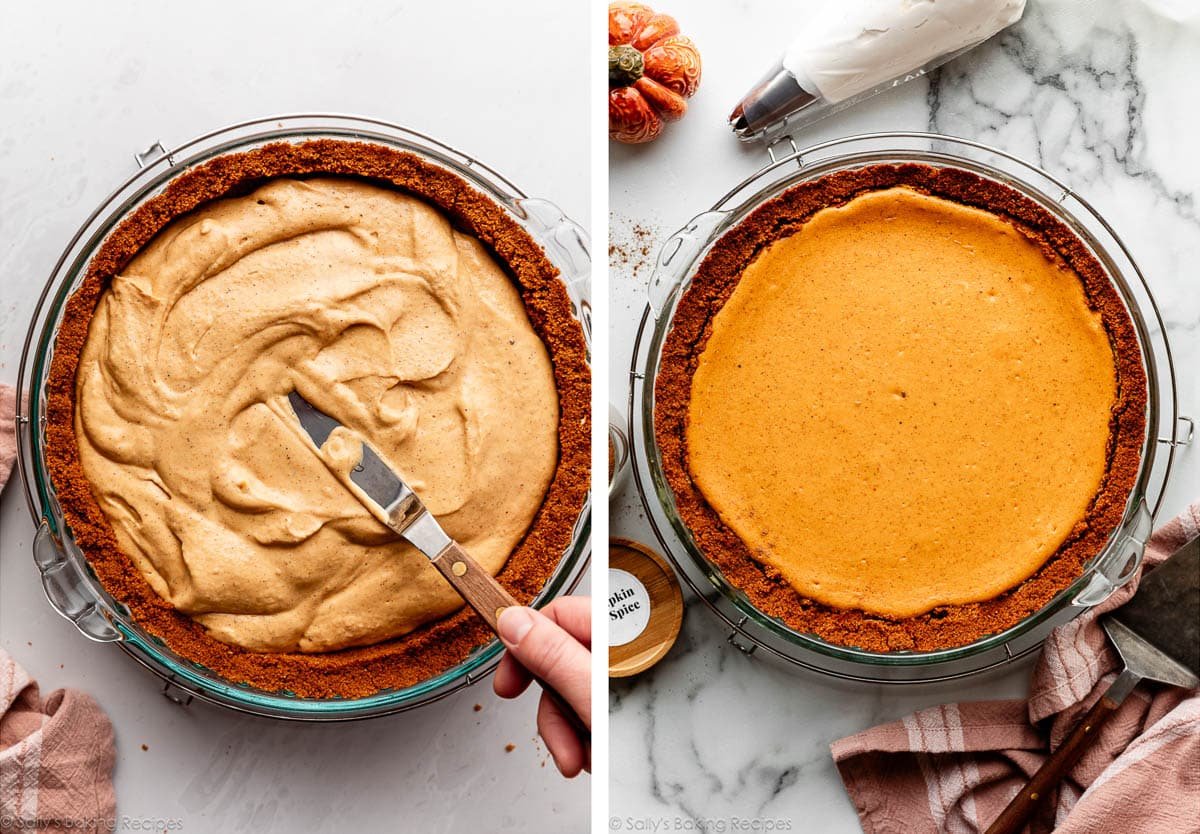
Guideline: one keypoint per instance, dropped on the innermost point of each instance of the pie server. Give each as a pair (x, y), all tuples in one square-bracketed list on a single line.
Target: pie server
[(389, 499), (1157, 634)]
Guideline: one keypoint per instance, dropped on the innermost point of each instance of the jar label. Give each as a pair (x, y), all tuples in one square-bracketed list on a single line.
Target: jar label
[(628, 607)]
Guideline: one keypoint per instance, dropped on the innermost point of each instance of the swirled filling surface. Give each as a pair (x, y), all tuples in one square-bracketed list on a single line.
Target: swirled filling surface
[(380, 313)]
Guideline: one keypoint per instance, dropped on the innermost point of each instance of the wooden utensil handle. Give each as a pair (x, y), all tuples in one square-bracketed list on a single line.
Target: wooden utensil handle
[(474, 584), (1052, 771), (488, 597)]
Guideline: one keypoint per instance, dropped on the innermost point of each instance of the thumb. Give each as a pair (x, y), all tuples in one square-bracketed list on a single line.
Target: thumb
[(550, 653)]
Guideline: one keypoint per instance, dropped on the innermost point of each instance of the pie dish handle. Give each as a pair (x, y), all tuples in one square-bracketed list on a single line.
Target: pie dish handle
[(569, 247), (565, 237), (67, 589), (1121, 563), (678, 253)]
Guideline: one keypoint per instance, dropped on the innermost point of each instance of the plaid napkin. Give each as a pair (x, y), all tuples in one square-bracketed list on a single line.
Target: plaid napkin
[(57, 754), (954, 768)]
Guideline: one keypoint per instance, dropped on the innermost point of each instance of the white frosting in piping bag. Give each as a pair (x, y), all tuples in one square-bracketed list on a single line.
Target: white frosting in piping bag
[(848, 48)]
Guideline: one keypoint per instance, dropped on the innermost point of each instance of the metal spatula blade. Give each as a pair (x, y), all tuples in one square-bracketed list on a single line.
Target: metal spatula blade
[(1158, 631), (382, 491), (389, 497), (1157, 634)]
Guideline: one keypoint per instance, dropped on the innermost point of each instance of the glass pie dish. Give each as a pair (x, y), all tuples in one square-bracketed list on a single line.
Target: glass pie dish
[(69, 582), (754, 631), (618, 452)]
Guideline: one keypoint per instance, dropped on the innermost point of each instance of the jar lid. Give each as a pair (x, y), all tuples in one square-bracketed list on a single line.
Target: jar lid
[(645, 608)]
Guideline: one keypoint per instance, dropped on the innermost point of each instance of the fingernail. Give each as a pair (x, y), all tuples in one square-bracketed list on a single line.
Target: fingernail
[(515, 623)]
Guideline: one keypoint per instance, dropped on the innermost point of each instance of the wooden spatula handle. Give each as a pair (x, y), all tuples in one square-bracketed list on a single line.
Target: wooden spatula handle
[(474, 584), (488, 597), (1052, 771)]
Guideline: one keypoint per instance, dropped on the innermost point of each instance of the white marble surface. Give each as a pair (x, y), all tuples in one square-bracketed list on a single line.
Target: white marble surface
[(1099, 93), (83, 86)]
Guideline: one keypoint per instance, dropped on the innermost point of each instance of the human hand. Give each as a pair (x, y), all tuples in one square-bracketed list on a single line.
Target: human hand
[(555, 644)]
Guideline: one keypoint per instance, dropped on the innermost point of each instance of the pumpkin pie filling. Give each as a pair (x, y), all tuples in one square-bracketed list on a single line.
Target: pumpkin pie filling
[(786, 431), (375, 308), (395, 297), (900, 407)]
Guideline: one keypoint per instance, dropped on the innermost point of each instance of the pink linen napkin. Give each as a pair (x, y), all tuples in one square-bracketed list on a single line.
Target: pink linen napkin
[(56, 758), (8, 431), (953, 768), (56, 755)]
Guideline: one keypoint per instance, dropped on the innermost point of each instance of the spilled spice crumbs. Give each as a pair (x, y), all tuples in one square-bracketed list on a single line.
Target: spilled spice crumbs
[(631, 252)]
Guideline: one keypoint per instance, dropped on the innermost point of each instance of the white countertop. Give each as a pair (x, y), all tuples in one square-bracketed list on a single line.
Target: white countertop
[(1100, 94), (79, 96)]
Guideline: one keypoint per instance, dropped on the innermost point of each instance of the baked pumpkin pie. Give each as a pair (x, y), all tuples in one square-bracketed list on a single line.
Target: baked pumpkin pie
[(392, 295), (901, 407)]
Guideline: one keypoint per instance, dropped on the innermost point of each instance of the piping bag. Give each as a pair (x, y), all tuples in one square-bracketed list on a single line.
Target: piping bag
[(854, 49)]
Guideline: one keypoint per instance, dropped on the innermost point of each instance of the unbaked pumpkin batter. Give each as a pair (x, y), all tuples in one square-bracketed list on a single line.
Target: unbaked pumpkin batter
[(429, 649), (895, 361), (378, 311)]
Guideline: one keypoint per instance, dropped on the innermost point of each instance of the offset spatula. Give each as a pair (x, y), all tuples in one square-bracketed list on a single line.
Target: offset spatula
[(1157, 634), (391, 501)]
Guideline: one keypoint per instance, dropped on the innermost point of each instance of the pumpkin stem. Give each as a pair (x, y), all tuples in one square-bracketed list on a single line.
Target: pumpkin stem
[(624, 65)]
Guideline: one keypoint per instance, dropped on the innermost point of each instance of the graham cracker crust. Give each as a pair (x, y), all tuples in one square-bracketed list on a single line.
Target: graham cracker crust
[(435, 647), (766, 588)]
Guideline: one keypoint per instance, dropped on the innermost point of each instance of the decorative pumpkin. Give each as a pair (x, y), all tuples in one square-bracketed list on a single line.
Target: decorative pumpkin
[(652, 71)]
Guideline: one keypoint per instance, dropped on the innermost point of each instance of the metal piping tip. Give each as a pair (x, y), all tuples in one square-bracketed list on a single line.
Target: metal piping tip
[(769, 104), (737, 120)]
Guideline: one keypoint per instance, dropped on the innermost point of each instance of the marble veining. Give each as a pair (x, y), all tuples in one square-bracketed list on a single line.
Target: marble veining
[(1097, 93), (1074, 109)]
